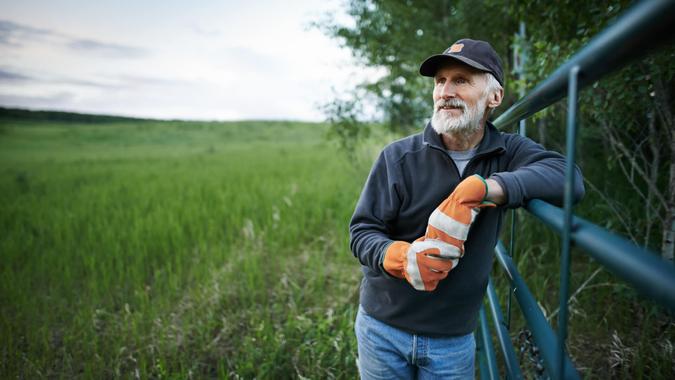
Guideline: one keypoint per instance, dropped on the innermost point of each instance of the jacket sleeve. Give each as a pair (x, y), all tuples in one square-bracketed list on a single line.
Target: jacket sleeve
[(377, 208), (535, 173)]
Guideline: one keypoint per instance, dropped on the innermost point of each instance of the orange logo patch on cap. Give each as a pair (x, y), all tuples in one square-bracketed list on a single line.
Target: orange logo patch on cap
[(456, 48)]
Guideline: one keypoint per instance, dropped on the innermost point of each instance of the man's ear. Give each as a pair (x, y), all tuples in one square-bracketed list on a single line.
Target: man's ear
[(495, 98)]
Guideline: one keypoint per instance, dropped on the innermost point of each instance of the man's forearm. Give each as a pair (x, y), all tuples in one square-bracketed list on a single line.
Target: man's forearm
[(495, 192)]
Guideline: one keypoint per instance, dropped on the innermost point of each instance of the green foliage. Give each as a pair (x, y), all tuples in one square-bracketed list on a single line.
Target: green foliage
[(13, 114), (623, 117), (398, 36), (344, 123)]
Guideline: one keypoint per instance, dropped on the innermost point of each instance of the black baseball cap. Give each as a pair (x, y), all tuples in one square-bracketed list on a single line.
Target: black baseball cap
[(475, 53)]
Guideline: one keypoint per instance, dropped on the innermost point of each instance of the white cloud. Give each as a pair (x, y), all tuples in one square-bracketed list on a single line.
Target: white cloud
[(197, 60)]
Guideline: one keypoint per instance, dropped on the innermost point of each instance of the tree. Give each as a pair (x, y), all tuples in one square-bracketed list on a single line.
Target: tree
[(398, 36)]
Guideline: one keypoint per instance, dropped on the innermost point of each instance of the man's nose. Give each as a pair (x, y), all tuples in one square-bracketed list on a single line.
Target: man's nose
[(448, 90)]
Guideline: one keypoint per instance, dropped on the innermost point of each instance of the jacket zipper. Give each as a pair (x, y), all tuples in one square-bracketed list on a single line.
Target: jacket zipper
[(476, 157), (468, 164)]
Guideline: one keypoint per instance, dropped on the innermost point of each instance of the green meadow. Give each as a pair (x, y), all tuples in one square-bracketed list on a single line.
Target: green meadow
[(175, 249), (169, 249)]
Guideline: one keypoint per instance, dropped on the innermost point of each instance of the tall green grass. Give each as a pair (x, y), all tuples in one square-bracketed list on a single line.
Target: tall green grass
[(172, 249)]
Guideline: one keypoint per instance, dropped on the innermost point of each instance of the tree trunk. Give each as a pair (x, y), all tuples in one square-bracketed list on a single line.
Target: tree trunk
[(663, 108), (668, 245)]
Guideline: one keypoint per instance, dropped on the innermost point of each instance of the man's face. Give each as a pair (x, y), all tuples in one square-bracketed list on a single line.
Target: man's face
[(460, 99)]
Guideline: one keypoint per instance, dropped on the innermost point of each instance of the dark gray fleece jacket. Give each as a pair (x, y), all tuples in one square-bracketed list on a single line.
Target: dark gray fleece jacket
[(409, 179)]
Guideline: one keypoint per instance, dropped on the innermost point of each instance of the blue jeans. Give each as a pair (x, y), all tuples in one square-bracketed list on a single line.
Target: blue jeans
[(386, 352)]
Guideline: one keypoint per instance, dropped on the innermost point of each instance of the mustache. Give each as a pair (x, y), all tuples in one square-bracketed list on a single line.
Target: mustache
[(450, 103)]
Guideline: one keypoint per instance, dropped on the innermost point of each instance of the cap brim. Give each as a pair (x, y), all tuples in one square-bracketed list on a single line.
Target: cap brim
[(431, 64)]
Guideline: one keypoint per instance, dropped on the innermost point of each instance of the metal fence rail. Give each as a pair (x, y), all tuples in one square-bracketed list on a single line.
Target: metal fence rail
[(644, 27)]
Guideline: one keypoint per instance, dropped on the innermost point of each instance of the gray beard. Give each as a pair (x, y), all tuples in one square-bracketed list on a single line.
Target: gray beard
[(468, 123)]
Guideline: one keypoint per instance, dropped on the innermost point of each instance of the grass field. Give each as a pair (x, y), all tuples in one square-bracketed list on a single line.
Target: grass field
[(170, 249), (142, 249)]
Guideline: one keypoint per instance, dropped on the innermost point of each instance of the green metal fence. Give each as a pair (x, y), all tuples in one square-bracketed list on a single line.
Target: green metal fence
[(643, 28)]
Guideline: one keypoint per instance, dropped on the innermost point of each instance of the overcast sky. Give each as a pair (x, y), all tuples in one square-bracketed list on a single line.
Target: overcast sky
[(200, 59)]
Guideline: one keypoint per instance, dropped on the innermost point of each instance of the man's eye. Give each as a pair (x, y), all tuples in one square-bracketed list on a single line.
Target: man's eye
[(460, 80)]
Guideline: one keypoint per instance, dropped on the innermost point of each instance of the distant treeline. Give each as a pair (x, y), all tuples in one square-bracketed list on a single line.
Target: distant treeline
[(23, 114), (17, 114)]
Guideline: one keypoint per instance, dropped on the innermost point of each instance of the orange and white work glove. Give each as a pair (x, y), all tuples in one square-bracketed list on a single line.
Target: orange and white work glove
[(423, 263), (427, 261)]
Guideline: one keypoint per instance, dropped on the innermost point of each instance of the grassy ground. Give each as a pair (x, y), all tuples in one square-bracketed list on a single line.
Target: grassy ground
[(174, 249), (219, 250)]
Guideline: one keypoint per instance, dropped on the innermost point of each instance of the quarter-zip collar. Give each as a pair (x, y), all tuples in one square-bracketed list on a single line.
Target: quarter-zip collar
[(492, 142)]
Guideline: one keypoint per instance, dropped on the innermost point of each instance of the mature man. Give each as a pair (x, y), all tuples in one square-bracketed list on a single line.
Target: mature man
[(426, 256)]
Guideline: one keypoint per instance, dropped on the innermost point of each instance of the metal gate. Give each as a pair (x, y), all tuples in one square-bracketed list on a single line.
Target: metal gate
[(646, 26)]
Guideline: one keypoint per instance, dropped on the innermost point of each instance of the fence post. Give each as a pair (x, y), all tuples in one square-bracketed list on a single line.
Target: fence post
[(519, 60), (510, 360), (487, 358), (572, 94)]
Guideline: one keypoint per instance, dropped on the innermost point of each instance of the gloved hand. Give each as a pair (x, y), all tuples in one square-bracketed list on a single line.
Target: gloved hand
[(428, 259), (452, 219), (423, 263)]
